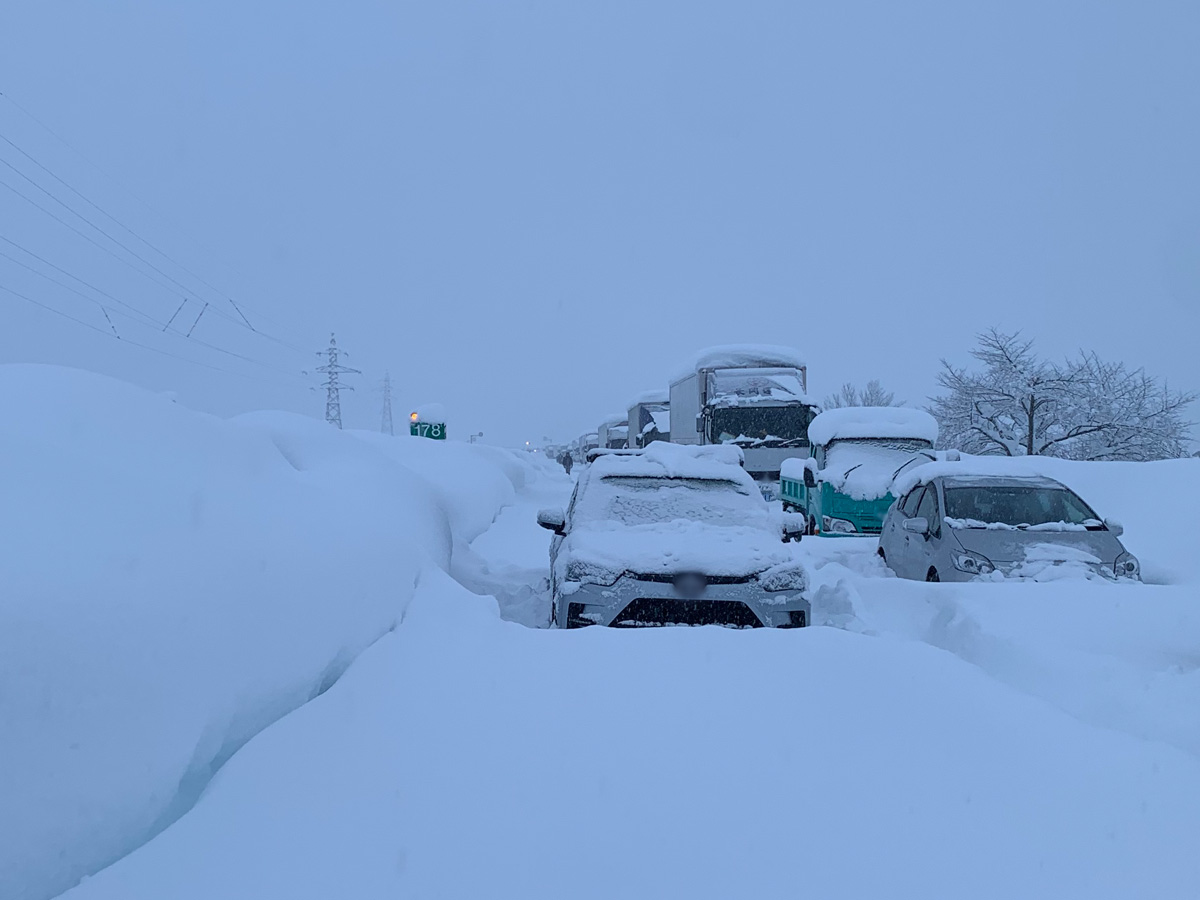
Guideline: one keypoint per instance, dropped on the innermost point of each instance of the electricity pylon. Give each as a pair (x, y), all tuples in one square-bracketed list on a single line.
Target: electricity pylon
[(333, 400), (387, 405)]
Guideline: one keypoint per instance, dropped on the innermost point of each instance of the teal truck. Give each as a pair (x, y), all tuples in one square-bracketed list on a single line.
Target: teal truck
[(844, 486)]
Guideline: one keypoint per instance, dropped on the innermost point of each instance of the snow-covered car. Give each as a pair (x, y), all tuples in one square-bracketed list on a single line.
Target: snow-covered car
[(949, 525), (673, 536)]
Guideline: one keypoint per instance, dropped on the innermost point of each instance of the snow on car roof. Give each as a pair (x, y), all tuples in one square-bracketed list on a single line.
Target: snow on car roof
[(975, 470), (873, 422), (665, 460), (734, 356)]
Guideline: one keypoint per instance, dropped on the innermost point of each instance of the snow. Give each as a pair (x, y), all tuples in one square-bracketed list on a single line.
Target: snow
[(742, 356), (872, 422), (649, 398), (463, 756), (431, 412), (984, 740), (866, 472), (174, 583), (666, 460), (614, 420)]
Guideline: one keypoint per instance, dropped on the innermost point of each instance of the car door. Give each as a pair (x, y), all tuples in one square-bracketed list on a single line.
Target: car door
[(906, 546), (923, 547), (890, 534)]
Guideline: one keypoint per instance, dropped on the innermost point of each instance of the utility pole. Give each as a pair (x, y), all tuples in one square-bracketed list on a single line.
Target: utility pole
[(387, 405), (333, 401)]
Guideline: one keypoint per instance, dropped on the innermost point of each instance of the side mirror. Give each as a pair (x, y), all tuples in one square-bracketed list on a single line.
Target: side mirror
[(810, 480), (1115, 527), (553, 520), (918, 525), (794, 526)]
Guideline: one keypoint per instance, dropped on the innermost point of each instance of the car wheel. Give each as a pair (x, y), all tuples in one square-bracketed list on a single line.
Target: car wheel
[(879, 552), (933, 576)]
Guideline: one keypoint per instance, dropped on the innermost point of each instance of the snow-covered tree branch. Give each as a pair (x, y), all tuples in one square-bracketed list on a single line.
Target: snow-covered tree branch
[(1018, 404), (850, 395)]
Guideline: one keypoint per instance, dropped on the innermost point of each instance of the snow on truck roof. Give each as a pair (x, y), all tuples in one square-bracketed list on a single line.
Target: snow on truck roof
[(650, 397), (614, 419), (665, 460), (872, 422), (742, 356)]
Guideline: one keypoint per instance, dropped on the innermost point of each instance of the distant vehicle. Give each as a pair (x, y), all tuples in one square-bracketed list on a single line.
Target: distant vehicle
[(613, 433), (748, 395), (672, 536), (844, 487), (649, 419), (948, 526)]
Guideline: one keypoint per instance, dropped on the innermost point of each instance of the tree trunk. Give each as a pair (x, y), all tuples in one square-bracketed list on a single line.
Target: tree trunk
[(1029, 435)]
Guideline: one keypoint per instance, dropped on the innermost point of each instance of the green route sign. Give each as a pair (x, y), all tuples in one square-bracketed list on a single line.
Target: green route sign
[(433, 430)]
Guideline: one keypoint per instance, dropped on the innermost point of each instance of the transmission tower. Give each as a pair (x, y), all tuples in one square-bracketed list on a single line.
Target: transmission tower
[(387, 404), (333, 401)]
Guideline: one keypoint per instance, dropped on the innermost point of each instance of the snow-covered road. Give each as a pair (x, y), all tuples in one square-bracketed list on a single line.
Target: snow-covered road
[(938, 741)]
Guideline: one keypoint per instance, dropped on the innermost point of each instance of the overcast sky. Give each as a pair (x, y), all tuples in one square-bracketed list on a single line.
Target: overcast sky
[(532, 211)]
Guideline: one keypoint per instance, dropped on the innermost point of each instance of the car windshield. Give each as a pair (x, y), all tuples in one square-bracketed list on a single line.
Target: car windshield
[(635, 500), (979, 506), (770, 426)]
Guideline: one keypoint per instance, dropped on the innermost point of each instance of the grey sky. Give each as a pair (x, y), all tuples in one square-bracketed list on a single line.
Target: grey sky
[(532, 211)]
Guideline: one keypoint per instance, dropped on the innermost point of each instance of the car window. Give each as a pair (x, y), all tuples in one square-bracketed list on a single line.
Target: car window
[(909, 505), (1017, 506), (928, 507)]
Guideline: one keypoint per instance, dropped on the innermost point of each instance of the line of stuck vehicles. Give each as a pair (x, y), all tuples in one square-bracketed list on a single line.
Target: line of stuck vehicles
[(685, 533)]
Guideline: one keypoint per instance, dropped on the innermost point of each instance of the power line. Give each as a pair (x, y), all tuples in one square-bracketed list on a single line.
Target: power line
[(123, 340), (107, 174), (129, 230), (145, 318)]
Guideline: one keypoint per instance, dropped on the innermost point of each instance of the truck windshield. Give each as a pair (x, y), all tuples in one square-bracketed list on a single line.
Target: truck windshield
[(761, 426)]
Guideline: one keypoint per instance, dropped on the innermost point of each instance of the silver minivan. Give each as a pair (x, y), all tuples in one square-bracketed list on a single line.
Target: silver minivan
[(964, 527)]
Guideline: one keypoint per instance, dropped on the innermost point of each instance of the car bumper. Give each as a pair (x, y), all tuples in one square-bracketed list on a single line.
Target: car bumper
[(632, 602)]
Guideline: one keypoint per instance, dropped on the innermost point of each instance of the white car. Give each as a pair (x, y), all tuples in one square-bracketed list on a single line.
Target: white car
[(673, 536)]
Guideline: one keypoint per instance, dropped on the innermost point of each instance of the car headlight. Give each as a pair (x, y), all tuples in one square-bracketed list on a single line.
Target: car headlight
[(1127, 566), (589, 573), (787, 577), (837, 526), (973, 563)]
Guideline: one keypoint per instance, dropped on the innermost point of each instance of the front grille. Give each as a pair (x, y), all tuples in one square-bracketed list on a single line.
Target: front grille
[(796, 619), (576, 618), (711, 579), (649, 612)]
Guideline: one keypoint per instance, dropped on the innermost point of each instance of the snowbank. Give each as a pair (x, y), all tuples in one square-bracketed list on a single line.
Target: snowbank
[(174, 583), (740, 356), (698, 763), (873, 422)]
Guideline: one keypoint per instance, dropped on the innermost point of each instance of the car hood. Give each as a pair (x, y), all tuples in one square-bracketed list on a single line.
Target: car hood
[(674, 547), (1016, 546)]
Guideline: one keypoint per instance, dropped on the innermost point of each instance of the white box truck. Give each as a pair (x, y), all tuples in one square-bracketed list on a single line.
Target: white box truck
[(750, 395)]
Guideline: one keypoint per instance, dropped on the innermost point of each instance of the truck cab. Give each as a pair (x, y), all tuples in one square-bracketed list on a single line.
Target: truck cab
[(844, 487), (748, 395)]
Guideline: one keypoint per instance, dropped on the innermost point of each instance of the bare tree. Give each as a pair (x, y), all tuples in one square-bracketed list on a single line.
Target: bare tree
[(872, 395), (1085, 408)]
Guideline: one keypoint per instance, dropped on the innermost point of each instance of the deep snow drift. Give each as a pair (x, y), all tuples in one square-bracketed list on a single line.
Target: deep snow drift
[(173, 583), (947, 741)]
